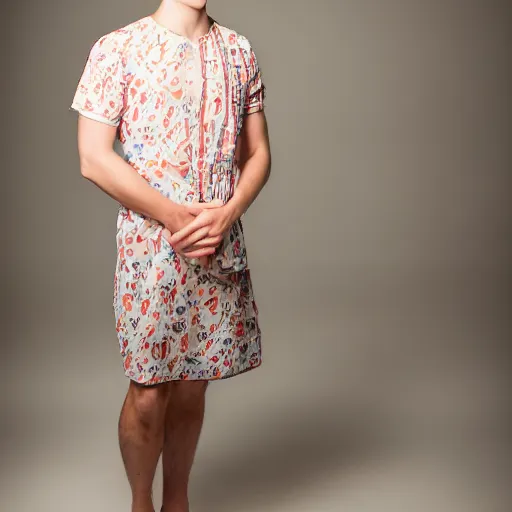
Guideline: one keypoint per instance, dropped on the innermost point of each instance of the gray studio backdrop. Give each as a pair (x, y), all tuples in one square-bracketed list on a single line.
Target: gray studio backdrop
[(379, 250)]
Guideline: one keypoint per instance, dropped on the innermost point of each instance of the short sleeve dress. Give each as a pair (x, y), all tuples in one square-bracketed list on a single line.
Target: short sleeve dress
[(178, 107)]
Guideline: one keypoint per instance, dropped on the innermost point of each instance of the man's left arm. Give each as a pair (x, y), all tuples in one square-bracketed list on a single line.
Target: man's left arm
[(255, 164)]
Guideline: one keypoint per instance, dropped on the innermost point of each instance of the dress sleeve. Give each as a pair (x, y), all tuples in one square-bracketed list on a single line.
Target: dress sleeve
[(255, 87), (100, 91)]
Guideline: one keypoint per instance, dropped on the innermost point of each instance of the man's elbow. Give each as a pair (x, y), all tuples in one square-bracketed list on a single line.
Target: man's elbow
[(90, 163), (86, 167), (268, 166)]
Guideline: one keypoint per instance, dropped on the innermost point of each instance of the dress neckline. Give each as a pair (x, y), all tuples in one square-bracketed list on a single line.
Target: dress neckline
[(167, 30)]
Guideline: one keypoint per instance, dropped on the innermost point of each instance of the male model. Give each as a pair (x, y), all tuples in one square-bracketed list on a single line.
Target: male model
[(184, 96)]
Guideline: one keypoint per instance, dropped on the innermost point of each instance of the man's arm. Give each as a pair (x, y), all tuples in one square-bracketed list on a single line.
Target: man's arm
[(255, 166), (255, 162), (100, 164)]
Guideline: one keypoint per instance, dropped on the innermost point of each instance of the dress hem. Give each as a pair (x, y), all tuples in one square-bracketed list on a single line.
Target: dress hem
[(169, 378)]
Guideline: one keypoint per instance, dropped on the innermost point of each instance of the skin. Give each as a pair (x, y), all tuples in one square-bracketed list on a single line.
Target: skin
[(167, 418)]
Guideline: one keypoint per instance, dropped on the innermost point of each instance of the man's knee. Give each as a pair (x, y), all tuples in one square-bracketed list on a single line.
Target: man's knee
[(149, 401), (189, 391)]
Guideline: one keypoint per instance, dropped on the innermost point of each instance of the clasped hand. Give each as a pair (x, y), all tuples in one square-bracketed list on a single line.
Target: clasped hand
[(200, 228)]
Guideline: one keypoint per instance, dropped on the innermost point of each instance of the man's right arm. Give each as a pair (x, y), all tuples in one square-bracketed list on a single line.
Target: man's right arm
[(100, 164)]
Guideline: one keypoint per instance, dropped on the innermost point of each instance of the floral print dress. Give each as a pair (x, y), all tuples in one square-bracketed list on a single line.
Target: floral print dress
[(178, 107)]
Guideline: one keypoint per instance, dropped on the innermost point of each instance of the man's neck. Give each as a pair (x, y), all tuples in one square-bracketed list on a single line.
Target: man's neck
[(182, 19)]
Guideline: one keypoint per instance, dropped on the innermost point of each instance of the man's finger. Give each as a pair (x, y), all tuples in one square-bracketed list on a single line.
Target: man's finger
[(192, 238), (212, 241), (197, 223), (199, 252), (209, 241)]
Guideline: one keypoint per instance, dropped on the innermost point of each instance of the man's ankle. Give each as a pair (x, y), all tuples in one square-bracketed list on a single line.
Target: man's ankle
[(142, 505), (175, 506)]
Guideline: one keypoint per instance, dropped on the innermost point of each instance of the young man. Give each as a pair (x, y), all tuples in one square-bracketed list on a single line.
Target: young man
[(184, 95)]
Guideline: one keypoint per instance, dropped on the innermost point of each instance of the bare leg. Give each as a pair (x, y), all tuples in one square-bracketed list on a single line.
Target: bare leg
[(141, 434), (185, 413)]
